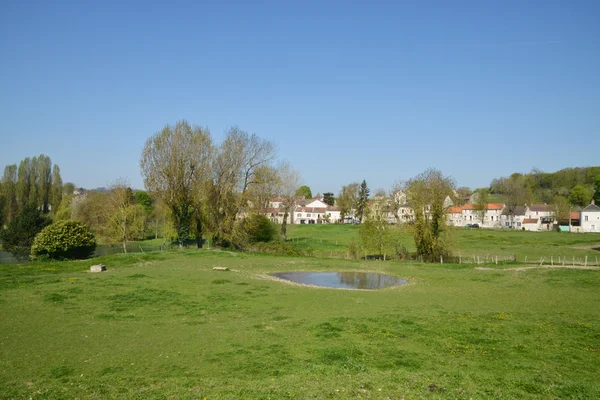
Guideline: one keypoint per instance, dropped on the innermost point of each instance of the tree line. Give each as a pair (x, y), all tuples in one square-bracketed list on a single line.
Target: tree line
[(34, 181)]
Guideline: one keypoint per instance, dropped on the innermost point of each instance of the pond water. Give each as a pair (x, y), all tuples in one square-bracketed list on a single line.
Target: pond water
[(342, 280)]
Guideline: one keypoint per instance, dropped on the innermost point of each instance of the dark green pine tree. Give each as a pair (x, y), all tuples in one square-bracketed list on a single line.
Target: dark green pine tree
[(363, 198)]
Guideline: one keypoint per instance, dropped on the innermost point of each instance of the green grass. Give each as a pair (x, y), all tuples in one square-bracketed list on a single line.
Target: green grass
[(165, 325), (333, 240)]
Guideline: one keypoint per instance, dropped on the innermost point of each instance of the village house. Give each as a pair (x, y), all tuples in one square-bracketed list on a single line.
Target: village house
[(513, 219), (491, 215), (590, 218)]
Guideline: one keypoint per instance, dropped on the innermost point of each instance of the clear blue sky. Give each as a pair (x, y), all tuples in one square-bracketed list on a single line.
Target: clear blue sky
[(348, 91)]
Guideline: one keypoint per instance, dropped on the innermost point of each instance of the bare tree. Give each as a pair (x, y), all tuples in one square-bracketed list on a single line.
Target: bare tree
[(175, 165), (242, 176), (290, 180)]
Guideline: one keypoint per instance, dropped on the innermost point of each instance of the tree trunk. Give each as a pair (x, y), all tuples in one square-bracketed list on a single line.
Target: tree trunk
[(283, 234), (198, 230), (124, 246)]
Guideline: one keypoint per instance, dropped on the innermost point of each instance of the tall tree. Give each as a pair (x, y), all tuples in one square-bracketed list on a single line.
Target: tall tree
[(23, 182), (175, 166), (375, 232), (56, 190), (9, 208), (304, 191), (363, 199), (426, 194), (125, 219), (347, 200), (289, 180), (34, 186), (328, 198), (242, 172), (44, 180)]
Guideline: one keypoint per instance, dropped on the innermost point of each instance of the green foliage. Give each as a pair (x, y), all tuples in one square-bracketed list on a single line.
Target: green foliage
[(542, 186), (259, 229), (328, 198), (142, 198), (374, 233), (304, 191), (427, 192), (363, 199), (18, 237), (64, 240), (597, 190), (580, 196)]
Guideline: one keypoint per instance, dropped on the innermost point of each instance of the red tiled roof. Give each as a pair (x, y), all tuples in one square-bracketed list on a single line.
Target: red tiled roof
[(575, 215), (455, 210), (530, 221), (540, 207)]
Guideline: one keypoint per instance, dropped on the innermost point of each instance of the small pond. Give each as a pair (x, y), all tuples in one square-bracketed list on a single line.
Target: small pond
[(342, 280)]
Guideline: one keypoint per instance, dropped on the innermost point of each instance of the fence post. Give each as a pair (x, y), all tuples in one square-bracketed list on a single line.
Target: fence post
[(441, 259), (496, 260), (552, 260), (541, 260), (585, 265), (477, 259), (383, 256), (573, 260), (460, 259)]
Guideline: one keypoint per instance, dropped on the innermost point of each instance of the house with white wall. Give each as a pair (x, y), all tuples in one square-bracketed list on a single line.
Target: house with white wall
[(454, 216), (491, 215), (513, 219), (590, 218), (544, 213)]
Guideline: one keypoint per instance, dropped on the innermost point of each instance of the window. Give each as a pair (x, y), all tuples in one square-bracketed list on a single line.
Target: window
[(518, 224), (298, 215), (586, 218), (307, 215)]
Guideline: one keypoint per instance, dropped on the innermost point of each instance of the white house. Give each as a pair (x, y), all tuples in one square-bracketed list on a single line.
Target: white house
[(491, 215), (590, 218), (544, 213), (514, 219), (454, 216), (532, 224)]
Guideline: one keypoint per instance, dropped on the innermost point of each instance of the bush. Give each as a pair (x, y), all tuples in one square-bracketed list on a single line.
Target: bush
[(18, 237), (254, 229), (64, 239)]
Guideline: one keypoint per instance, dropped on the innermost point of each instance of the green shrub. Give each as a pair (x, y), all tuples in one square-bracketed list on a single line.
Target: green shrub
[(254, 229), (18, 237), (64, 239)]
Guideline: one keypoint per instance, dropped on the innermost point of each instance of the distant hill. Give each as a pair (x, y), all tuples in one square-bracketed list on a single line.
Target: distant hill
[(544, 187)]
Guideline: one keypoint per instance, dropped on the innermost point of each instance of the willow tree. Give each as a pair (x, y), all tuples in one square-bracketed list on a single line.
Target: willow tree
[(426, 194), (242, 173), (175, 165)]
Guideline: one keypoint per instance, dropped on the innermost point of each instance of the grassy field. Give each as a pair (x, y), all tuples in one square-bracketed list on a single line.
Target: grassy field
[(165, 325), (333, 240)]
